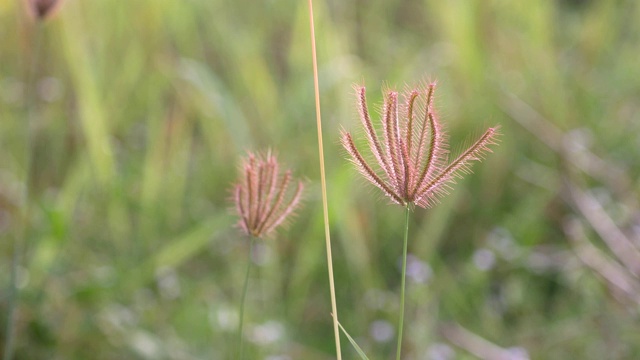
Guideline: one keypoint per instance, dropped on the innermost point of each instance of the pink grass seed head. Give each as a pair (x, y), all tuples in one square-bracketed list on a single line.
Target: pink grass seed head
[(410, 160), (264, 198)]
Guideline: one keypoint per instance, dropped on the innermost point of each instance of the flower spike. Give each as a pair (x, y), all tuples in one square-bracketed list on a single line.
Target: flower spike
[(263, 197), (411, 157)]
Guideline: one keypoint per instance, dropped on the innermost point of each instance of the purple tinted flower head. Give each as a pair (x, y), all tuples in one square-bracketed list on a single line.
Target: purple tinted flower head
[(412, 153), (263, 197), (42, 9)]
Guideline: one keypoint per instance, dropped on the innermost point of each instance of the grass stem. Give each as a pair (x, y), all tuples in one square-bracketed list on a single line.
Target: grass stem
[(323, 182), (21, 235), (13, 295), (402, 286), (242, 300)]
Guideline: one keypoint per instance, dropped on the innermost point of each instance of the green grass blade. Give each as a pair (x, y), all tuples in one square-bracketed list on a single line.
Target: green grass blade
[(353, 342)]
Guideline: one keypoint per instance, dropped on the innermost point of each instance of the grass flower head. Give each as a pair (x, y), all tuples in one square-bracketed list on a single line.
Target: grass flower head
[(411, 156), (263, 197), (42, 9)]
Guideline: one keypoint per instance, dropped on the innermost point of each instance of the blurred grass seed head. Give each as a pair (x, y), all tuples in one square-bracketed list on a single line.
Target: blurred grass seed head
[(263, 197), (42, 9)]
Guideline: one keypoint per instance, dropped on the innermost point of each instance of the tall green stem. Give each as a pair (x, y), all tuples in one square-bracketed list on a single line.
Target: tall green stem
[(323, 184), (402, 286), (244, 295)]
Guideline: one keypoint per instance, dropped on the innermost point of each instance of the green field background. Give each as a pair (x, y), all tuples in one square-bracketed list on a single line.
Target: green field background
[(122, 124)]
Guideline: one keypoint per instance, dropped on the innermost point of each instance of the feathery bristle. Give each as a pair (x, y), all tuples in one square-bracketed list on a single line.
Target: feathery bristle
[(458, 167), (366, 170)]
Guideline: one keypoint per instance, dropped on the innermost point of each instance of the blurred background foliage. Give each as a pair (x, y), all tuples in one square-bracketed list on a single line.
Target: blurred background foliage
[(122, 123)]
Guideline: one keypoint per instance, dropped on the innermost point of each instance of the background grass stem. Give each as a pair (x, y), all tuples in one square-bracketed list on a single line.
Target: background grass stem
[(13, 294), (243, 298), (22, 233)]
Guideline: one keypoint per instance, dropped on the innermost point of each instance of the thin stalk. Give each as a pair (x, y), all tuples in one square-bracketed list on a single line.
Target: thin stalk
[(244, 296), (21, 235), (323, 182), (402, 286), (13, 295)]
